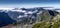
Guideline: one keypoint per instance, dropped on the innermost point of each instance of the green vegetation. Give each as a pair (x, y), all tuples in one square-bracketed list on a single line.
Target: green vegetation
[(47, 25), (41, 25), (38, 25)]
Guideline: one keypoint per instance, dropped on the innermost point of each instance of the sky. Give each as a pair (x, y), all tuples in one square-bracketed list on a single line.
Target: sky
[(29, 3)]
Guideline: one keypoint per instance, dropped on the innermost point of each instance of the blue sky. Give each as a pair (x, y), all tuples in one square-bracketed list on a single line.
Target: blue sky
[(28, 3)]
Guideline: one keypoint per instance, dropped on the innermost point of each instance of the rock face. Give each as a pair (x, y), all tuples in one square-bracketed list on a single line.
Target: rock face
[(47, 14)]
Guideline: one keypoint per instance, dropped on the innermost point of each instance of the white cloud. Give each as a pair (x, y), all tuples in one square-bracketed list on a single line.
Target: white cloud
[(4, 7)]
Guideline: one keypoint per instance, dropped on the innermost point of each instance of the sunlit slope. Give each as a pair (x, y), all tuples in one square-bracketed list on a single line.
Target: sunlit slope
[(51, 23)]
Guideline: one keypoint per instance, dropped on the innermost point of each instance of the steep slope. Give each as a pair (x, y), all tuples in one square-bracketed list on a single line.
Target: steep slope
[(5, 19)]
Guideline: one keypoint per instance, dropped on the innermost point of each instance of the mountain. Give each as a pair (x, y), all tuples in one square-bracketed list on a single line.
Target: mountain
[(5, 19), (26, 16)]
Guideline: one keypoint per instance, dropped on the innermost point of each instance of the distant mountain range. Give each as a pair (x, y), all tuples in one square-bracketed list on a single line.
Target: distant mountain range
[(23, 15)]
